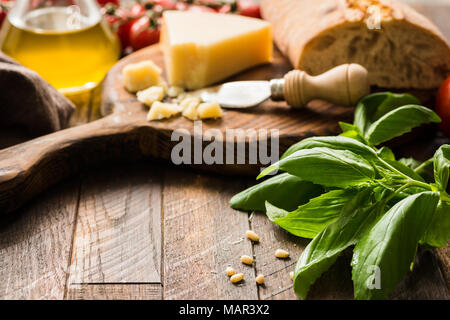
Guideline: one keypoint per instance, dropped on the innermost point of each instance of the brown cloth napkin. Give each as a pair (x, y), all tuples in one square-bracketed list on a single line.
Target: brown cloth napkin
[(29, 106)]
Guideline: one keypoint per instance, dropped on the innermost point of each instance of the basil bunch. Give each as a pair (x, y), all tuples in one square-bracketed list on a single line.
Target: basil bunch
[(343, 191)]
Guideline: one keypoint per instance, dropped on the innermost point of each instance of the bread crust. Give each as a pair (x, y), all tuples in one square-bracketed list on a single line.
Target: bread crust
[(298, 24)]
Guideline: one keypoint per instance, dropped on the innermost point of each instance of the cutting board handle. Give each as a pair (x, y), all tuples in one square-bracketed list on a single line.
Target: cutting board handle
[(344, 85), (29, 168)]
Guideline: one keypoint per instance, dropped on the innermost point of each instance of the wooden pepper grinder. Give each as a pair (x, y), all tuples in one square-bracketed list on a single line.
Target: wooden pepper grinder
[(344, 85)]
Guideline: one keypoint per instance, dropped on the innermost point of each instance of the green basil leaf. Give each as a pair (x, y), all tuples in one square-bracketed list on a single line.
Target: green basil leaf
[(389, 247), (399, 121), (374, 106), (438, 232), (283, 190), (351, 131), (410, 162), (274, 212), (324, 249), (392, 102), (336, 143), (442, 166), (311, 218), (366, 108), (327, 167), (386, 153)]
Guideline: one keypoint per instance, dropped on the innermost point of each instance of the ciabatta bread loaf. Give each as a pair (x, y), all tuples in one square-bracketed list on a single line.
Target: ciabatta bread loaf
[(400, 47)]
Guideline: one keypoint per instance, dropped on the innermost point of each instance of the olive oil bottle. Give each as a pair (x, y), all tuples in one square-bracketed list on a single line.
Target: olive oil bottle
[(69, 46)]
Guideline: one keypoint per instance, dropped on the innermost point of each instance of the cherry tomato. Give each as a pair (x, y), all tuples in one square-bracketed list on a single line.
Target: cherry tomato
[(182, 6), (144, 32), (137, 10), (124, 33), (127, 19), (103, 3), (112, 20), (224, 9), (443, 106), (166, 4), (3, 14), (196, 8), (248, 8)]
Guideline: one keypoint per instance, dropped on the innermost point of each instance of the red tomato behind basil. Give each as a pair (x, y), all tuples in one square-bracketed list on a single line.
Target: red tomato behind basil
[(443, 106)]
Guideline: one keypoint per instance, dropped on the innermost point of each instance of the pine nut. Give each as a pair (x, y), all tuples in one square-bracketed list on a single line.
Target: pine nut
[(282, 254), (260, 279), (252, 235), (247, 259), (291, 275), (237, 278), (230, 271)]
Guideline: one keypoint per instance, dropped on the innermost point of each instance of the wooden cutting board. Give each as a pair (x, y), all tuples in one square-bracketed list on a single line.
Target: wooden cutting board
[(29, 168), (318, 119)]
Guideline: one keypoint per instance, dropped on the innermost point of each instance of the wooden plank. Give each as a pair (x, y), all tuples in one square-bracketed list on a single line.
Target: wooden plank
[(335, 284), (132, 291), (118, 232), (278, 284), (202, 236), (35, 247), (443, 257), (87, 106), (426, 282)]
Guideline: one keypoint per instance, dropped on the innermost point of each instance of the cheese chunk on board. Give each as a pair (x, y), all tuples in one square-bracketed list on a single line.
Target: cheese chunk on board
[(202, 48), (150, 95), (161, 110), (141, 75), (209, 110), (189, 106)]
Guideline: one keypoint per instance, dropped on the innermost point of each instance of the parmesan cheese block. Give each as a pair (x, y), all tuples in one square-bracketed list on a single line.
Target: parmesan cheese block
[(201, 48), (141, 75), (160, 110)]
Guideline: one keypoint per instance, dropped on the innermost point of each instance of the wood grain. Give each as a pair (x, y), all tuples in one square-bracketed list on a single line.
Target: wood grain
[(118, 232), (29, 168), (443, 257), (278, 284), (202, 236), (87, 106), (129, 291), (35, 246), (425, 282)]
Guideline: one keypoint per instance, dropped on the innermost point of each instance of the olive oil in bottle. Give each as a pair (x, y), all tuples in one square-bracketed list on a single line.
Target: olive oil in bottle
[(70, 49)]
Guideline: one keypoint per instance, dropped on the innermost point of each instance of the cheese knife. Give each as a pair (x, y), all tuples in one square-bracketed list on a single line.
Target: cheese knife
[(343, 85)]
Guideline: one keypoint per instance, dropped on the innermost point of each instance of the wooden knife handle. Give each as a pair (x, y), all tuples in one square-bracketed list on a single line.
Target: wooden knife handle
[(344, 85), (29, 168)]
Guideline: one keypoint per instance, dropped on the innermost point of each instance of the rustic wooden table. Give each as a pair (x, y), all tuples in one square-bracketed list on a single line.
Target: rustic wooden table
[(151, 230)]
